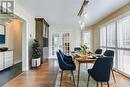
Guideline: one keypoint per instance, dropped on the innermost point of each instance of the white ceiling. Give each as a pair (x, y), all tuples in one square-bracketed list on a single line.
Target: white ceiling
[(64, 12)]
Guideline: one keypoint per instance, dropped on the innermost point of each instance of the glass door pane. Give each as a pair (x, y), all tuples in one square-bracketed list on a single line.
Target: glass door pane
[(66, 44), (60, 41), (56, 43)]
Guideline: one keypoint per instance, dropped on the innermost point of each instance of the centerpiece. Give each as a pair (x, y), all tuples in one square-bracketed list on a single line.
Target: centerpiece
[(84, 48)]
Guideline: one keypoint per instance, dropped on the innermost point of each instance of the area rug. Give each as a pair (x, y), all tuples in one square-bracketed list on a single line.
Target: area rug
[(67, 80)]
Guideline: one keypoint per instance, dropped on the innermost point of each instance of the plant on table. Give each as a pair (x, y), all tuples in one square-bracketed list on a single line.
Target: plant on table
[(84, 48)]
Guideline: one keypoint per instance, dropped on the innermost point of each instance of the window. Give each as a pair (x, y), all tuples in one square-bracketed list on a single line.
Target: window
[(103, 36), (124, 32), (124, 61), (87, 39), (123, 36), (116, 36), (107, 38), (111, 35)]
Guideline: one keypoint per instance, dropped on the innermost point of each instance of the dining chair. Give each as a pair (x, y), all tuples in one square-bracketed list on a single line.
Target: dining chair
[(110, 53), (100, 72), (66, 58), (77, 49), (98, 51), (65, 66)]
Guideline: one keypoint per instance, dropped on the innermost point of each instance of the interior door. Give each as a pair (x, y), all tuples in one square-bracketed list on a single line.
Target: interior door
[(60, 41)]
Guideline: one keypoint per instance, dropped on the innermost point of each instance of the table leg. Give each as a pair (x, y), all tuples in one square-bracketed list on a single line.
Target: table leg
[(78, 74)]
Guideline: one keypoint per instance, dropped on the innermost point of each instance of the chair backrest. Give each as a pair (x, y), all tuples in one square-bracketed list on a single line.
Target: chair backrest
[(62, 54), (77, 49), (101, 69), (61, 62), (109, 53), (98, 51)]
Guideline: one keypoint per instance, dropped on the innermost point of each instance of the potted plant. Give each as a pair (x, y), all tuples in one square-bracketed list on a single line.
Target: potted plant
[(36, 54), (84, 48)]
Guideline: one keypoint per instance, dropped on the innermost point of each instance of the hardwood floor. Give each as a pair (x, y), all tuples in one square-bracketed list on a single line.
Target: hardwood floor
[(45, 76)]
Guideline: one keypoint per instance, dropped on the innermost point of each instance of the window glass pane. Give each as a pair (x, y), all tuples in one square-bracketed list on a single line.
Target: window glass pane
[(87, 39), (65, 42), (103, 36), (124, 61), (111, 41), (124, 32)]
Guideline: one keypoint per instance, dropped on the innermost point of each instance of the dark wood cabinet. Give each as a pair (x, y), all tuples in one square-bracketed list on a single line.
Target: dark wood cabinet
[(42, 35)]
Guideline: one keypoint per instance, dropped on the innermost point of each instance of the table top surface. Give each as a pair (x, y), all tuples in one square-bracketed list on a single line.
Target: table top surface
[(85, 60)]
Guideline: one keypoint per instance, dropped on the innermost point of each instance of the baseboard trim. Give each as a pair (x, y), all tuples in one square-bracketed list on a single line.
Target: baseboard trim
[(18, 62)]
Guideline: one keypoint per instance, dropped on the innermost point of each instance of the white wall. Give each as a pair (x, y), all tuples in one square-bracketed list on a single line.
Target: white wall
[(28, 34), (75, 35)]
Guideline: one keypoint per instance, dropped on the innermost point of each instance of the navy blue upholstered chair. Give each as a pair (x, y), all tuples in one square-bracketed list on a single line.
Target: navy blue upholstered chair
[(98, 51), (65, 66), (101, 70), (110, 53), (65, 57), (78, 49)]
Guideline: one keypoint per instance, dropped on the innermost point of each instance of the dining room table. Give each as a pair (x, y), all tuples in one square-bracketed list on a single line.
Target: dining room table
[(83, 59)]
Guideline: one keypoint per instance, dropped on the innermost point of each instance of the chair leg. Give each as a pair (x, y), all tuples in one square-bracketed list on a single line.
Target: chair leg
[(108, 84), (113, 76), (73, 77), (88, 80), (101, 84), (61, 77), (97, 84)]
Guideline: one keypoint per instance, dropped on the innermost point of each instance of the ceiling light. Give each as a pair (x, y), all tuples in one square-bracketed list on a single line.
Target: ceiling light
[(82, 7), (82, 26)]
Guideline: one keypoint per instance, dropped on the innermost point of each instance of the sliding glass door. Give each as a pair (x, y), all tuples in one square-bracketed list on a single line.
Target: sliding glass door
[(116, 36)]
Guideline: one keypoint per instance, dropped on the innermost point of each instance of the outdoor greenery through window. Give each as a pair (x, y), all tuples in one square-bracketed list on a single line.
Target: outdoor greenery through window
[(116, 36)]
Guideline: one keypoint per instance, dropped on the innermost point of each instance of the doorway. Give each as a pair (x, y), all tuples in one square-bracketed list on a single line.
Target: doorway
[(60, 40)]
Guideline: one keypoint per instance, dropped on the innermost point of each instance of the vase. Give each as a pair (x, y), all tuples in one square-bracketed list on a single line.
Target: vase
[(36, 62)]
